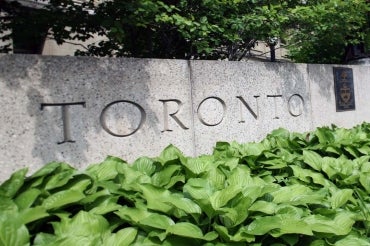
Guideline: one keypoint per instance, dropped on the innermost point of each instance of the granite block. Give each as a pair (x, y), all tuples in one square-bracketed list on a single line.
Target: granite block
[(79, 110), (239, 101)]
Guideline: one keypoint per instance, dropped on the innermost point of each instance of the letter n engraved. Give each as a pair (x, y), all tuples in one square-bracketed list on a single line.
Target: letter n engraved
[(172, 115), (254, 114), (67, 138)]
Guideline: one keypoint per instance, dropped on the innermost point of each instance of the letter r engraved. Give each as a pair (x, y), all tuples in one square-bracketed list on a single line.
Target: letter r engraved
[(67, 138), (173, 115)]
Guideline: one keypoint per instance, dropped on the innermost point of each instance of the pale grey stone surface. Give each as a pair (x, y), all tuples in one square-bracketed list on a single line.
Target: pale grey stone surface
[(30, 136), (136, 107), (324, 112), (277, 95)]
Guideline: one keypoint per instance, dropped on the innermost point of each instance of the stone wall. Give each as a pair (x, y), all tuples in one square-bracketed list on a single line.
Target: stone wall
[(81, 109)]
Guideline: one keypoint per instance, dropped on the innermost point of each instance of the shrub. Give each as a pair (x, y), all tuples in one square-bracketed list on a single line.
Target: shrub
[(288, 189)]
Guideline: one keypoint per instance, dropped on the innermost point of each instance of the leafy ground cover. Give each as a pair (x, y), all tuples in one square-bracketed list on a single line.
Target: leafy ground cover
[(288, 189)]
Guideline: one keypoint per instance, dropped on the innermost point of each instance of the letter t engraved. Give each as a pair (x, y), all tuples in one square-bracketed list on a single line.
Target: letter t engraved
[(65, 118), (275, 104)]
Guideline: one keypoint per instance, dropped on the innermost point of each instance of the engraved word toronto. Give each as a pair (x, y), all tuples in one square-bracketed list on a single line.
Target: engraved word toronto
[(294, 106)]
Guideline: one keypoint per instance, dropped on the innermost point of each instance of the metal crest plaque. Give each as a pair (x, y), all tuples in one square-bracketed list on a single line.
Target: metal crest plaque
[(344, 89)]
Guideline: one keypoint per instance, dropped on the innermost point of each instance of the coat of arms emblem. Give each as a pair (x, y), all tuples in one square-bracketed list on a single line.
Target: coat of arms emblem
[(344, 92)]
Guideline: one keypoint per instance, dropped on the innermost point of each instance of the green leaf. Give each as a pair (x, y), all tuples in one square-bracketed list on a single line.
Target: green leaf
[(170, 154), (83, 224), (210, 236), (32, 214), (352, 240), (231, 163), (79, 182), (189, 230), (365, 167), (185, 229), (365, 181), (264, 207), (185, 204), (200, 190), (340, 197), (284, 222), (96, 196), (7, 206), (298, 195), (223, 232), (157, 221), (240, 176), (106, 170), (133, 215), (123, 237), (104, 206), (353, 151), (237, 213), (59, 179), (44, 239), (256, 191), (242, 235), (130, 178), (310, 176), (74, 240), (291, 239), (11, 186), (216, 178), (51, 168), (164, 176), (313, 159), (62, 198), (330, 167), (318, 243), (12, 232), (144, 165), (174, 180), (27, 198), (221, 197), (156, 198), (341, 224), (200, 164), (252, 149)]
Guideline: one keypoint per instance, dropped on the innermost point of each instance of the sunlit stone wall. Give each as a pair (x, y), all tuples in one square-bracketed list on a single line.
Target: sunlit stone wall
[(82, 109)]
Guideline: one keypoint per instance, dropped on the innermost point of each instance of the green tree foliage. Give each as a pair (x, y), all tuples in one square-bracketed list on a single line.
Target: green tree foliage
[(324, 29), (314, 31)]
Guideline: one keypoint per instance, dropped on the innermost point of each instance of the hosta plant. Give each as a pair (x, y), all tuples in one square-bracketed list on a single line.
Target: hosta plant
[(289, 189)]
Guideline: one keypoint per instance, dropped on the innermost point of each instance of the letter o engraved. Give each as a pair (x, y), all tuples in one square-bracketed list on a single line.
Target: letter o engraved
[(295, 106), (200, 117), (104, 123)]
